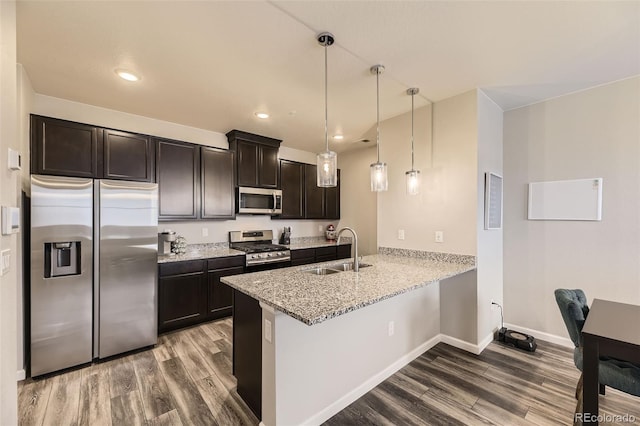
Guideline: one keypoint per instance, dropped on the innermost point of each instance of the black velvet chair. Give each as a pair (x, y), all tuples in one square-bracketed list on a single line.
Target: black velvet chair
[(620, 375)]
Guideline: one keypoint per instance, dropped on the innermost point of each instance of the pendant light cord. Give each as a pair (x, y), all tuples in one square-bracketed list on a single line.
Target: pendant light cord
[(378, 111), (412, 153), (326, 102)]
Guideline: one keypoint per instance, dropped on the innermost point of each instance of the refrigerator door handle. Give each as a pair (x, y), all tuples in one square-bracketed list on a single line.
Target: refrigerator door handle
[(96, 270)]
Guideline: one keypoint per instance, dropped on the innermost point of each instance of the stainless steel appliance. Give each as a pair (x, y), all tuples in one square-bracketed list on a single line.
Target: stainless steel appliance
[(165, 238), (259, 201), (93, 269), (260, 251)]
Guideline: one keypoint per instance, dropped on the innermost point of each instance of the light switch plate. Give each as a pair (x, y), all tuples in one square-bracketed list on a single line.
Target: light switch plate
[(5, 260), (439, 237), (205, 232)]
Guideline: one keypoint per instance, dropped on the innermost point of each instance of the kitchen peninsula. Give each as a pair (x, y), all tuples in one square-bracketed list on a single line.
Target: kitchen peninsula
[(326, 339)]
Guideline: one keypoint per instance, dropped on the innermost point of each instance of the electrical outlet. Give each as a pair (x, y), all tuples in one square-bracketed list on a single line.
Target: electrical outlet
[(267, 330), (401, 234), (439, 237), (205, 232), (392, 328), (320, 228)]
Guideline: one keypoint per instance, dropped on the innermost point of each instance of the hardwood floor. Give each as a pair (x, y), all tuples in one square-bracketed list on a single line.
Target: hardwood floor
[(501, 386), (186, 380)]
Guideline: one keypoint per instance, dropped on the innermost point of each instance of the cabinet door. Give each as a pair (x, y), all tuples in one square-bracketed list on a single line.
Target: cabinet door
[(332, 201), (221, 295), (128, 156), (218, 190), (313, 195), (64, 148), (247, 164), (177, 172), (268, 167), (292, 185), (182, 300)]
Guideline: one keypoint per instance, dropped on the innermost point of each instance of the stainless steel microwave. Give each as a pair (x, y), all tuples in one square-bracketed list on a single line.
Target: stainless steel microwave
[(259, 201)]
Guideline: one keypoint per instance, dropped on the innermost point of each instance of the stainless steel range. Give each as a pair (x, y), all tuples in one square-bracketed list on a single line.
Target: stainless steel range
[(260, 250)]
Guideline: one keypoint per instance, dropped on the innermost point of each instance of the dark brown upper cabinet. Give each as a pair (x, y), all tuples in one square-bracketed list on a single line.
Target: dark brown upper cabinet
[(292, 185), (217, 183), (177, 171), (256, 159), (64, 148), (313, 195), (128, 156), (301, 197), (332, 201)]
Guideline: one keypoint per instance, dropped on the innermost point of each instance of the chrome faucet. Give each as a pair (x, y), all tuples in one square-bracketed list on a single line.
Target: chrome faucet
[(355, 240)]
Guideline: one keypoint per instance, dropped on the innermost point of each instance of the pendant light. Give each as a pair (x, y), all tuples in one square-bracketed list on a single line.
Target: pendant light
[(327, 162), (413, 175), (379, 181)]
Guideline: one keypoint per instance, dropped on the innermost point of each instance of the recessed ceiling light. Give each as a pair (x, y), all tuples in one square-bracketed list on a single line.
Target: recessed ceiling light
[(127, 75), (262, 115), (338, 137)]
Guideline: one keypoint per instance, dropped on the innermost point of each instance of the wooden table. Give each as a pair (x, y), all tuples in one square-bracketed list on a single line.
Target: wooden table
[(611, 329)]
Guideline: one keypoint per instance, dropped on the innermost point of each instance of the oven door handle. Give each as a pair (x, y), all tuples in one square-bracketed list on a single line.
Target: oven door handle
[(274, 260)]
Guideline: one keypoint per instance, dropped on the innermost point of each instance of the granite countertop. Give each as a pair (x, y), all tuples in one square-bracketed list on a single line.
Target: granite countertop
[(201, 251), (298, 245), (313, 299), (212, 250)]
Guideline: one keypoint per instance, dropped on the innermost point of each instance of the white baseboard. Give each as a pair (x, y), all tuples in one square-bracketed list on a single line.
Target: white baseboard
[(21, 375), (466, 346), (371, 383), (558, 340)]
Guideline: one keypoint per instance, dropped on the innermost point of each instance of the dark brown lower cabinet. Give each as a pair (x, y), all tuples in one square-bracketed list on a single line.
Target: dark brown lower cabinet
[(182, 295), (190, 292), (320, 254), (247, 350), (221, 295)]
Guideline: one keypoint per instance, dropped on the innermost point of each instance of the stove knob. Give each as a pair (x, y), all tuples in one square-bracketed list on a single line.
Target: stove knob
[(269, 254)]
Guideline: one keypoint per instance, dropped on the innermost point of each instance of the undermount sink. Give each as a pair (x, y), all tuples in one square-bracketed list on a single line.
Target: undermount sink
[(334, 269), (321, 271), (346, 266)]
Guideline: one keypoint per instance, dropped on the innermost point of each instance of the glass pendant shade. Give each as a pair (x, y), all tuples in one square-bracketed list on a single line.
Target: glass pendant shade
[(413, 182), (379, 181), (327, 169)]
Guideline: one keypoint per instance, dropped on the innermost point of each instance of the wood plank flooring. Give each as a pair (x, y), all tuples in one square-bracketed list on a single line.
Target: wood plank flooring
[(186, 380), (501, 386)]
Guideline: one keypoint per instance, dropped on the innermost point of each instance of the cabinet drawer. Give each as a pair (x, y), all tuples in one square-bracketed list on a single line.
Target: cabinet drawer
[(326, 251), (303, 254), (186, 267), (225, 262)]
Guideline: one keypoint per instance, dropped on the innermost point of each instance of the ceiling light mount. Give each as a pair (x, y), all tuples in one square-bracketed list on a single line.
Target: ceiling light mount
[(325, 39)]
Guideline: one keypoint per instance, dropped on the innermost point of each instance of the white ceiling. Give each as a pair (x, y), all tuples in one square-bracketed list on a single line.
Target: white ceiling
[(212, 64)]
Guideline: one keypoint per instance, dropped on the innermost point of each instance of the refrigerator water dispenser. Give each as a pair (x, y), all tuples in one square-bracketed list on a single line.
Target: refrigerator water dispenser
[(62, 259)]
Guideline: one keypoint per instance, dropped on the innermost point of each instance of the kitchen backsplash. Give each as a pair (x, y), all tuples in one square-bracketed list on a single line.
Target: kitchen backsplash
[(218, 231)]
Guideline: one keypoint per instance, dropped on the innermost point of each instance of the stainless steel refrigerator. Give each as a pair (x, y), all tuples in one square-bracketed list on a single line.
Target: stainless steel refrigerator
[(93, 269)]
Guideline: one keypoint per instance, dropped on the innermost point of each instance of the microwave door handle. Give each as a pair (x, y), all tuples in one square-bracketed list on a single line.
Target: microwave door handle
[(275, 202)]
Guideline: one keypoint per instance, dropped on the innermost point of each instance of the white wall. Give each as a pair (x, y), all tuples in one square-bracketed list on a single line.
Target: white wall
[(358, 205), (594, 133), (9, 196), (447, 199), (323, 368), (25, 97), (489, 254), (218, 231)]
